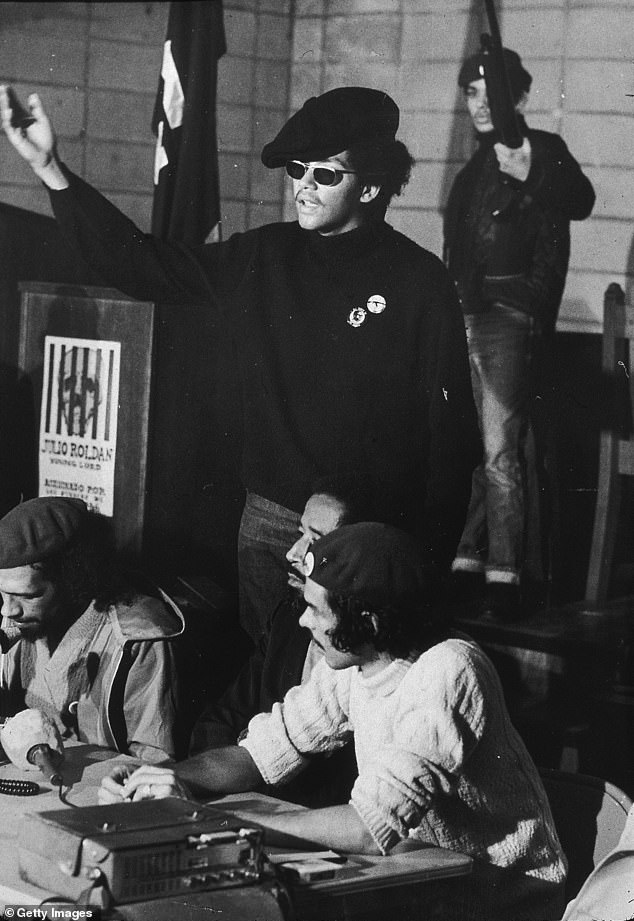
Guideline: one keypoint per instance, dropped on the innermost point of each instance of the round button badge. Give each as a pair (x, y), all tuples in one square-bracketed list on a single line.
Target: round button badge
[(356, 316), (376, 303)]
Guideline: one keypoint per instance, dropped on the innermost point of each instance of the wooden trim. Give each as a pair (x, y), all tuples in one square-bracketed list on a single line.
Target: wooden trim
[(101, 314)]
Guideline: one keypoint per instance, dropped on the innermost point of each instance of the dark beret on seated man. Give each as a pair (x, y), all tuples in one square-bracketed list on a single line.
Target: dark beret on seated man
[(439, 762), (89, 651)]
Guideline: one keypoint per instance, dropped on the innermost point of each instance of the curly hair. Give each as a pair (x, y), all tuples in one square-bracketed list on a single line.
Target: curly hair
[(398, 629), (89, 569), (385, 163)]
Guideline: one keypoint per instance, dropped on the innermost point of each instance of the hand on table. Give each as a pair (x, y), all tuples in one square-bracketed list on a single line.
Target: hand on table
[(125, 783)]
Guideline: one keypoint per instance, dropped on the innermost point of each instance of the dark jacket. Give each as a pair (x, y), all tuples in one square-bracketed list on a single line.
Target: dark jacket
[(509, 241), (274, 667)]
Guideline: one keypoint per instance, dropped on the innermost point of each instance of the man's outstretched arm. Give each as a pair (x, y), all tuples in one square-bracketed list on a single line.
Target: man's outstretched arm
[(221, 770), (336, 827), (232, 770), (106, 240)]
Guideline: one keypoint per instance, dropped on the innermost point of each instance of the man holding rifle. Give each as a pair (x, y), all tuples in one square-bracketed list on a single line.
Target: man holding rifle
[(507, 245)]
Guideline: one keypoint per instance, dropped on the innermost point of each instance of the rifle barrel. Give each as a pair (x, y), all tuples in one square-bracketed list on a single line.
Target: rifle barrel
[(493, 22)]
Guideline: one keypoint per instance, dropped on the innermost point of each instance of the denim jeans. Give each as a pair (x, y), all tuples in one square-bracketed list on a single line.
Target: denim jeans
[(500, 349), (267, 532)]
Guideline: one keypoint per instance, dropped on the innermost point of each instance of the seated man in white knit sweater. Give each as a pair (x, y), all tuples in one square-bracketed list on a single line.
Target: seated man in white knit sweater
[(438, 758)]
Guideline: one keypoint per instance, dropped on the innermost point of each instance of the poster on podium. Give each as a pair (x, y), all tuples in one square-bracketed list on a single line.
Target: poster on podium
[(78, 420), (88, 354)]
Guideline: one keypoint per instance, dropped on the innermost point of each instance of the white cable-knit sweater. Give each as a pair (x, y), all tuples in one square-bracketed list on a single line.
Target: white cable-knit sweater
[(438, 757)]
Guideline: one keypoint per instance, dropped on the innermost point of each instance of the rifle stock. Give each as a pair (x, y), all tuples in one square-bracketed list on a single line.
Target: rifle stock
[(499, 94)]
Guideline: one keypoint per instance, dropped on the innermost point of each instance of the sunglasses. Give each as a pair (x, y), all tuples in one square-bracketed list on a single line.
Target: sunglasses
[(323, 175)]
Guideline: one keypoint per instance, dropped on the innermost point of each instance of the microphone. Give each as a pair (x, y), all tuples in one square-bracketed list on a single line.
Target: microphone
[(31, 740), (47, 760)]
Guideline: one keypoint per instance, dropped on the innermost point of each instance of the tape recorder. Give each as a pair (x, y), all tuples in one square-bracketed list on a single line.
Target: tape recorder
[(138, 851)]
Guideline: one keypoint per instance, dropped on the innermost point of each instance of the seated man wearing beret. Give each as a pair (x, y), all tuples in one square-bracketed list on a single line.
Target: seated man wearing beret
[(349, 341), (438, 759), (93, 654)]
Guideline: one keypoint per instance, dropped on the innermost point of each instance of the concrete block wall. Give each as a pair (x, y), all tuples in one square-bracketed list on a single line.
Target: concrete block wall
[(581, 55), (253, 102), (96, 66)]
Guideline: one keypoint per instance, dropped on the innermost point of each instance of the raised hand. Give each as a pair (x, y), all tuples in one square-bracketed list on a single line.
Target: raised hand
[(35, 142), (32, 135)]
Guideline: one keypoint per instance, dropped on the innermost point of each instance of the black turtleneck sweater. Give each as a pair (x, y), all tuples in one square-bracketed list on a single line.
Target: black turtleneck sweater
[(509, 241), (389, 398)]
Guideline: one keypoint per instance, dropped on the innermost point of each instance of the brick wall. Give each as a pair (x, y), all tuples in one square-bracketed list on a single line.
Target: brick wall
[(96, 66), (253, 101)]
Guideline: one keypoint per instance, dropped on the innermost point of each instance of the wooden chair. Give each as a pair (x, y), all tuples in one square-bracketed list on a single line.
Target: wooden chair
[(589, 816), (616, 456)]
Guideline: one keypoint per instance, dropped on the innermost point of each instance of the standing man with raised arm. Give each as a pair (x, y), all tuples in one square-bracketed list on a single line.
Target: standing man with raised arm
[(350, 342), (507, 244)]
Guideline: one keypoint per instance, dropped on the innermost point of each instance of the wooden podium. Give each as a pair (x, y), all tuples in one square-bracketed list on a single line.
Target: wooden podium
[(88, 353)]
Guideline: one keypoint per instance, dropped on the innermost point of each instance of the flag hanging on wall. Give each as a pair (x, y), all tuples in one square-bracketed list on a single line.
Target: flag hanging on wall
[(186, 203)]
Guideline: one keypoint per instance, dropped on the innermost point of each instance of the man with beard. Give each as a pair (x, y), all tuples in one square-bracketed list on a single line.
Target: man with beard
[(92, 653)]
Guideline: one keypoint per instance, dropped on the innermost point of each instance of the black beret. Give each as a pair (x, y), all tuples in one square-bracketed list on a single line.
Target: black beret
[(38, 528), (374, 562), (325, 125), (519, 78)]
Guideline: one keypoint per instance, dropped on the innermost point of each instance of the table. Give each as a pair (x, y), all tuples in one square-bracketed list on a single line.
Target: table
[(397, 876)]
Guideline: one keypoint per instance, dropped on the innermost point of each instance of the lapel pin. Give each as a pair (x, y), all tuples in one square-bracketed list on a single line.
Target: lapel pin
[(376, 303), (356, 316)]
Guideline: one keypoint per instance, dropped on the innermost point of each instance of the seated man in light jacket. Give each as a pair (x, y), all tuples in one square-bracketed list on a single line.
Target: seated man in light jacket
[(91, 652), (438, 759)]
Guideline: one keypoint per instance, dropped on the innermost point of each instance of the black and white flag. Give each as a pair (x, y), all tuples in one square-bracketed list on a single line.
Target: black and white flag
[(186, 203)]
